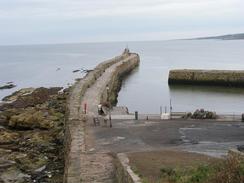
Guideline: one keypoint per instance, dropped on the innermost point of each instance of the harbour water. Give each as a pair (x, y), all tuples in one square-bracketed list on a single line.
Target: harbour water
[(146, 89)]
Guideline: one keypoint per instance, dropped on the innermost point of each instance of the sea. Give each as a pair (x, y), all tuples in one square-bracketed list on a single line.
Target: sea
[(146, 89)]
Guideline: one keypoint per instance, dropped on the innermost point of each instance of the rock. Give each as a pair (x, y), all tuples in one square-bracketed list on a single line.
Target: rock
[(7, 137), (30, 119), (202, 114), (187, 115), (77, 70), (15, 95), (41, 169), (6, 115), (240, 148), (39, 140), (3, 120), (77, 79), (6, 163), (33, 124), (14, 175), (32, 163), (38, 96), (7, 86)]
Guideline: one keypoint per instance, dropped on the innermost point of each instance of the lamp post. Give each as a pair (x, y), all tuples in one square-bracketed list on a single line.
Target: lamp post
[(109, 112)]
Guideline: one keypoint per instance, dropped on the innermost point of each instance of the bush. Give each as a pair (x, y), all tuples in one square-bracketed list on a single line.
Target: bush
[(230, 170)]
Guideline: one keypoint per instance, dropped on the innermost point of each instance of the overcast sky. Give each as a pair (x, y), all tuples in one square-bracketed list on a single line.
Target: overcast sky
[(62, 21)]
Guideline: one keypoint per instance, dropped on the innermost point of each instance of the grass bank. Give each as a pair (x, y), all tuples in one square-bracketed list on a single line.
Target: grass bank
[(184, 167)]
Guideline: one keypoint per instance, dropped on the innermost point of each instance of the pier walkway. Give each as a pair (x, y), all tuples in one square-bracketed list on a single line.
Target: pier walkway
[(82, 164), (97, 167)]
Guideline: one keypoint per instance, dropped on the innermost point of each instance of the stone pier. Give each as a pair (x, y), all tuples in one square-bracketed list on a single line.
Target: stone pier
[(232, 78), (81, 164)]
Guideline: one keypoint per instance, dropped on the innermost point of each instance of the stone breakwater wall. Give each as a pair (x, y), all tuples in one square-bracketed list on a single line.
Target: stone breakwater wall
[(118, 75), (75, 120), (124, 173), (207, 77)]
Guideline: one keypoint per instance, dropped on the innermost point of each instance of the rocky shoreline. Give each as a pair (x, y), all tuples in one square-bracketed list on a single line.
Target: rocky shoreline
[(32, 136), (7, 85)]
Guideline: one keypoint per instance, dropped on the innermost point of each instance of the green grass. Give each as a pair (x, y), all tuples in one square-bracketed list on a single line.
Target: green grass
[(230, 170)]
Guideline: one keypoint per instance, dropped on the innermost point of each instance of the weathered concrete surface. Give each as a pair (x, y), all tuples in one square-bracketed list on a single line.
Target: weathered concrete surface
[(207, 137), (207, 77), (81, 163)]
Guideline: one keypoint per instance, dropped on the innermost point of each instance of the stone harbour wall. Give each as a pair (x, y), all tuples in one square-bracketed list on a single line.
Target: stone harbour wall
[(124, 173), (207, 77), (75, 121), (121, 71)]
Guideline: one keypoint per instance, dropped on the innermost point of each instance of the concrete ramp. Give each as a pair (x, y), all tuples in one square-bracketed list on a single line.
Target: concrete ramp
[(120, 110)]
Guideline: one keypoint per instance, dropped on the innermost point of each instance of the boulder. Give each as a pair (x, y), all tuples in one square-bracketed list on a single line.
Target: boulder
[(30, 119), (77, 70), (8, 137), (15, 175), (15, 95), (202, 114), (187, 115), (7, 86), (6, 115)]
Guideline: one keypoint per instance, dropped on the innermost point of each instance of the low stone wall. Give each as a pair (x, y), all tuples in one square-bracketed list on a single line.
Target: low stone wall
[(124, 173), (74, 128), (207, 77), (115, 82)]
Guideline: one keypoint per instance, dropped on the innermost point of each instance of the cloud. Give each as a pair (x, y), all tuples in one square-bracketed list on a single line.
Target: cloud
[(95, 8), (84, 20)]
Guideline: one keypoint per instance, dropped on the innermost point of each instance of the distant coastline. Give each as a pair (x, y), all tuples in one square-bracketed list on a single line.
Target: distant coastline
[(239, 36)]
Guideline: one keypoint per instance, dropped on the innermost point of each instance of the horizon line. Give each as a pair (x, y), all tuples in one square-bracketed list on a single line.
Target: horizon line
[(118, 41)]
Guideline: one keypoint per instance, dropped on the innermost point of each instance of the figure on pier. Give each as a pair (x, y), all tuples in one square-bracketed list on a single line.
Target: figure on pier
[(126, 51)]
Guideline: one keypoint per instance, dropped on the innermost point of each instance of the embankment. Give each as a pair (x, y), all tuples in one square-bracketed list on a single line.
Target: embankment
[(91, 90), (207, 77)]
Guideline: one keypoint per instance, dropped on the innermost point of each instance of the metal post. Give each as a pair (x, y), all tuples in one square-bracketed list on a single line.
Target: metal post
[(136, 115), (109, 107), (170, 103), (85, 107), (161, 110), (110, 120)]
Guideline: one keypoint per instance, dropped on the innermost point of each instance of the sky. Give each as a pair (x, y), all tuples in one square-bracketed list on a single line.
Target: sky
[(68, 21)]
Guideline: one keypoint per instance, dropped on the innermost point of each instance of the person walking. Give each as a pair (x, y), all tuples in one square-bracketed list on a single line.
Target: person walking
[(99, 108)]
